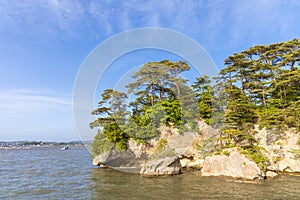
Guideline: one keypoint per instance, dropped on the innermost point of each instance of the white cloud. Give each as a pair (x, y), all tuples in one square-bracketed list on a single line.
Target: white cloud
[(35, 115), (46, 16), (108, 16), (66, 12), (23, 102), (206, 21), (102, 15)]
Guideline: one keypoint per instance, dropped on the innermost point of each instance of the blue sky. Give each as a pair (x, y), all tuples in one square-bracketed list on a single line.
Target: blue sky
[(44, 42)]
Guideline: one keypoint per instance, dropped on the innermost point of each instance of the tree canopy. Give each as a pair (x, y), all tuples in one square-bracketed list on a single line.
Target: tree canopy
[(259, 85)]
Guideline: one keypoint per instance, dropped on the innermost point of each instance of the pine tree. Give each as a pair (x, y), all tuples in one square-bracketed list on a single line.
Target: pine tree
[(204, 94), (151, 76), (240, 117), (112, 115), (175, 69)]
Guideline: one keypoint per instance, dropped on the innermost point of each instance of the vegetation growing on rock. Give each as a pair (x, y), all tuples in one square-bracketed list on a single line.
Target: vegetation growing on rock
[(258, 86)]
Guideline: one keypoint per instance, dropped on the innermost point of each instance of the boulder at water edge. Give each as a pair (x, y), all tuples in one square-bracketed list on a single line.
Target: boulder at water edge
[(235, 165), (161, 167), (271, 174), (115, 159), (289, 164)]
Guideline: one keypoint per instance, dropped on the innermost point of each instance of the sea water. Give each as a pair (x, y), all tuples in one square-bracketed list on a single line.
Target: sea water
[(52, 173)]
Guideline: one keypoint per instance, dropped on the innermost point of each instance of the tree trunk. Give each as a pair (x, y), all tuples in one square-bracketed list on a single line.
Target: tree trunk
[(264, 97), (177, 85), (292, 65), (243, 86), (161, 92), (273, 78), (151, 94), (178, 91)]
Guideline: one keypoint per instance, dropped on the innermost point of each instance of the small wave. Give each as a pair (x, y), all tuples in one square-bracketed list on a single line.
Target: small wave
[(44, 191)]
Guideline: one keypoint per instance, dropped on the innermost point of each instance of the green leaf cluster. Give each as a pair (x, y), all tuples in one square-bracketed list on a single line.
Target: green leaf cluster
[(259, 85), (269, 76), (256, 154)]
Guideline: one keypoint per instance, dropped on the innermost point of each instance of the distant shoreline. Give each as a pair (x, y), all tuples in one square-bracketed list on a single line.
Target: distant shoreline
[(39, 147), (35, 144)]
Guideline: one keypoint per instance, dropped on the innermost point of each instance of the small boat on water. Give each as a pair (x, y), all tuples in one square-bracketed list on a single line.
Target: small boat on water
[(65, 148)]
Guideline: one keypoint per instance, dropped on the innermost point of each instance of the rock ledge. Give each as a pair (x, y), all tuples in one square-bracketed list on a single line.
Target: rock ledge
[(235, 165)]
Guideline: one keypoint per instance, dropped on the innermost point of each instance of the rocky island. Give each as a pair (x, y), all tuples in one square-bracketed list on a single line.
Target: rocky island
[(244, 125)]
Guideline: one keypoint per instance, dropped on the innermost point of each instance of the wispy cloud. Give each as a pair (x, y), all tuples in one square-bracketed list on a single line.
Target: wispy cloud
[(48, 16), (20, 101), (35, 115), (108, 16), (262, 20), (207, 20)]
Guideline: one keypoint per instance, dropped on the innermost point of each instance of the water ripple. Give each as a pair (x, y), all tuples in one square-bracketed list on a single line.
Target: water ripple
[(49, 173)]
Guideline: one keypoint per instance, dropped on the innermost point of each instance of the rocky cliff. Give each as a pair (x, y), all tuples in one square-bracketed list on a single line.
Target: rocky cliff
[(283, 150), (173, 152), (235, 165)]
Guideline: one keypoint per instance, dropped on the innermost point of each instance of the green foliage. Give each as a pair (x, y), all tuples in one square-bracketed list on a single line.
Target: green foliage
[(141, 129), (269, 76), (276, 159), (240, 117), (222, 152), (293, 115), (273, 119), (162, 153), (159, 79), (219, 152), (204, 94), (240, 113), (173, 112), (226, 153), (165, 113), (112, 112), (189, 109), (207, 146), (100, 144), (161, 144), (198, 146), (257, 155), (116, 135), (259, 85)]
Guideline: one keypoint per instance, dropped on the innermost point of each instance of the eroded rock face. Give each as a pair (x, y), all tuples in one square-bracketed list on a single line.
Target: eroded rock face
[(161, 167), (191, 163), (235, 165), (181, 143), (115, 159), (288, 164), (283, 150)]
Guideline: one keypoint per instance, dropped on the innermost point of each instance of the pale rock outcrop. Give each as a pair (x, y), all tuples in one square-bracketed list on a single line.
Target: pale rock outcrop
[(186, 145), (137, 149), (181, 143), (289, 164), (270, 174), (281, 149), (235, 165), (116, 159), (161, 167), (191, 163)]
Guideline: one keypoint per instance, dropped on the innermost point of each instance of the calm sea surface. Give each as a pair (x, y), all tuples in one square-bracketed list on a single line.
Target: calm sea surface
[(50, 173)]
